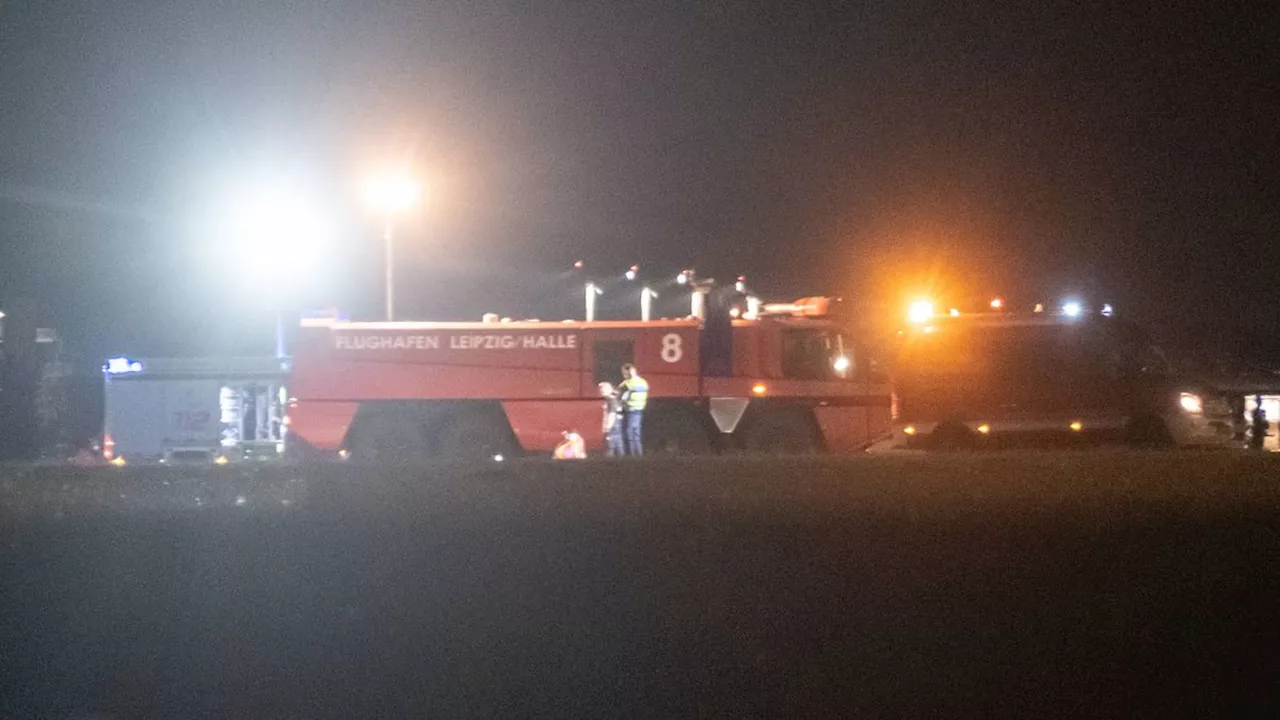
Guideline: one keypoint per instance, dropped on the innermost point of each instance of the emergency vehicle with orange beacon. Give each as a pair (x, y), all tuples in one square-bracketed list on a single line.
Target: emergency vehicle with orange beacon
[(1072, 375)]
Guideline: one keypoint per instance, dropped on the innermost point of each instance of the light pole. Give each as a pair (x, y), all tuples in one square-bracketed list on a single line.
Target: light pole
[(390, 194)]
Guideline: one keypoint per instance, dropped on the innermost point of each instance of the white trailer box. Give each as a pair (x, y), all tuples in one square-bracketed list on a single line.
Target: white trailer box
[(165, 403)]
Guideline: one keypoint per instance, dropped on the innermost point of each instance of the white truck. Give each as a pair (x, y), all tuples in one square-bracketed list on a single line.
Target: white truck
[(159, 406)]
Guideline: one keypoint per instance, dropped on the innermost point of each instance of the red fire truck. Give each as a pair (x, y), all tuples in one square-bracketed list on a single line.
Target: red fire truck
[(784, 380)]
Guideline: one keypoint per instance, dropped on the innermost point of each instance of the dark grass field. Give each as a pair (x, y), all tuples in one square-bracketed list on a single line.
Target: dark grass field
[(1018, 585)]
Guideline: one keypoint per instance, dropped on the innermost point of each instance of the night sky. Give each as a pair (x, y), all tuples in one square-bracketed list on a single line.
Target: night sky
[(873, 150)]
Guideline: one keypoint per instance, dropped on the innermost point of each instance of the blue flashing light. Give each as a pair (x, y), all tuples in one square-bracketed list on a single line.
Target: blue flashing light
[(121, 365)]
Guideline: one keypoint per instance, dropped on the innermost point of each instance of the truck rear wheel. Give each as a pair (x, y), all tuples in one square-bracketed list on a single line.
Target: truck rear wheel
[(781, 431), (678, 430), (1147, 431), (388, 436), (476, 435), (952, 436)]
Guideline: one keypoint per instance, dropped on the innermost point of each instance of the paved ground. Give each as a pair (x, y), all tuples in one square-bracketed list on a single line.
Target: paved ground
[(1071, 584)]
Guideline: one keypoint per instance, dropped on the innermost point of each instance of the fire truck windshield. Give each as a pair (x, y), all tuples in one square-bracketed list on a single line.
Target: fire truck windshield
[(816, 355)]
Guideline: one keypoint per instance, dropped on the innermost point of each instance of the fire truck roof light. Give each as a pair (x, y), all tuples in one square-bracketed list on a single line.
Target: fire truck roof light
[(920, 311)]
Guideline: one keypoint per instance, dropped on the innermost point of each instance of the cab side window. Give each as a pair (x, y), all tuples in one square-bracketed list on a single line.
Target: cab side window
[(807, 355)]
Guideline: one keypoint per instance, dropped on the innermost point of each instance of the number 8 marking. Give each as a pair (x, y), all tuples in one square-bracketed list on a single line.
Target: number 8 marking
[(672, 350)]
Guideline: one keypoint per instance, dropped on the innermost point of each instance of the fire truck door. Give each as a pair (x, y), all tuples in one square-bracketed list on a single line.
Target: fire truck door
[(609, 355)]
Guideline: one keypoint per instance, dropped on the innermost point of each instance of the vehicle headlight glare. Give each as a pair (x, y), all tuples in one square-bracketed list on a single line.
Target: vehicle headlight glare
[(1191, 402)]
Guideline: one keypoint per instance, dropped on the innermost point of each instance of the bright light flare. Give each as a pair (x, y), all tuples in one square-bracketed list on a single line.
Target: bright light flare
[(984, 429), (1076, 426), (759, 389), (909, 430), (1072, 308), (392, 192), (997, 303), (841, 364), (1190, 402), (280, 225), (920, 311)]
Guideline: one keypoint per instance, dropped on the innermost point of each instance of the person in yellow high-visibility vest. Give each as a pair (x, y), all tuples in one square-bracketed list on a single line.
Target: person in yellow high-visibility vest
[(634, 396)]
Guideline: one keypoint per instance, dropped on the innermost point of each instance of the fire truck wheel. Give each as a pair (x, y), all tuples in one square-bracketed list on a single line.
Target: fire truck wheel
[(475, 436), (675, 431), (1147, 431), (782, 431), (952, 436), (387, 438)]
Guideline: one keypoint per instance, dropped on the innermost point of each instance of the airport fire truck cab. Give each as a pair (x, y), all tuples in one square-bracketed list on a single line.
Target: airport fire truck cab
[(783, 379)]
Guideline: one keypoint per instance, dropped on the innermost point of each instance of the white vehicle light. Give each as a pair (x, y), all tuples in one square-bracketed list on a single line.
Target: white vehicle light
[(1191, 402), (841, 364)]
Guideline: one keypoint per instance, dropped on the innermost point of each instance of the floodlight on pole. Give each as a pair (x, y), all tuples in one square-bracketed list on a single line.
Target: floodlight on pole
[(391, 194)]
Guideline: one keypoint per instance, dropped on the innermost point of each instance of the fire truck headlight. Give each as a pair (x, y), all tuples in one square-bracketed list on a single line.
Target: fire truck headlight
[(221, 460), (1190, 402), (759, 389), (841, 364), (1072, 308), (118, 461)]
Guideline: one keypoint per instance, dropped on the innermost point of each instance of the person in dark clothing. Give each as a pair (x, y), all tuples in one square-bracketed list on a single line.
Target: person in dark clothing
[(1258, 425), (611, 421)]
